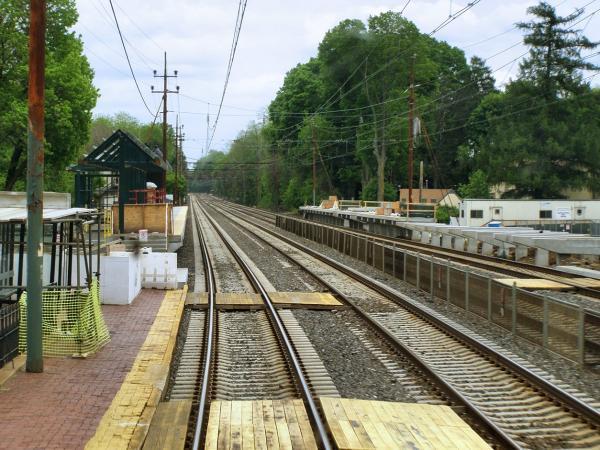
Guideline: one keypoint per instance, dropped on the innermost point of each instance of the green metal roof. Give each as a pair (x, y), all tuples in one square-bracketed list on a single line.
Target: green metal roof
[(122, 149)]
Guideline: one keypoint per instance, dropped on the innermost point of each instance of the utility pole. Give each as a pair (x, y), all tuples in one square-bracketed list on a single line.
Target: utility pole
[(314, 162), (411, 120), (165, 91), (179, 138), (176, 187), (35, 184), (207, 127)]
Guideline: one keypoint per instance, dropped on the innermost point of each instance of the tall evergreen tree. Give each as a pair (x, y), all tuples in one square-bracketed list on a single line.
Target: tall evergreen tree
[(555, 63)]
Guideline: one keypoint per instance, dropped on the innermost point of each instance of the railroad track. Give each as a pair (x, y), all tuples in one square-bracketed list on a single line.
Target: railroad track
[(514, 406), (499, 265), (245, 354)]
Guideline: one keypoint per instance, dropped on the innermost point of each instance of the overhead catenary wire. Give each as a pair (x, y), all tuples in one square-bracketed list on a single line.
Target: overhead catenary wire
[(234, 43), (128, 60)]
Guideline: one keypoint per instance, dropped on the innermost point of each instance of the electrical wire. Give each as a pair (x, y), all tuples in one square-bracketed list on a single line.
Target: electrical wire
[(128, 60), (234, 43)]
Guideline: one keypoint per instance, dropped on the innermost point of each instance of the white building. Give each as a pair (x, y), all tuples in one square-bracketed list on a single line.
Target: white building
[(476, 213)]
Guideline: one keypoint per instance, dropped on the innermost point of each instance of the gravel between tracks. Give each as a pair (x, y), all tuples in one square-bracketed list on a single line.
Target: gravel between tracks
[(356, 372)]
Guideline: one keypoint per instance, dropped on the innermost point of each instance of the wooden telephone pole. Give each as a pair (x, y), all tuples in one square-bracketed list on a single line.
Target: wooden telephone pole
[(165, 91), (35, 184), (411, 124), (179, 138)]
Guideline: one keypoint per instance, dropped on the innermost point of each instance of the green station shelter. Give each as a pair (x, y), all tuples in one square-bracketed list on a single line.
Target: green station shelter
[(116, 171)]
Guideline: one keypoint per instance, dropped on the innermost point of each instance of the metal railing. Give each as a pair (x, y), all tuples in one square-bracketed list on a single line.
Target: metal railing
[(9, 333), (561, 327)]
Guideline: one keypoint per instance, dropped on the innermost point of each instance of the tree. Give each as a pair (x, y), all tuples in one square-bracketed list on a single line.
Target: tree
[(555, 63), (70, 94), (537, 136), (477, 187)]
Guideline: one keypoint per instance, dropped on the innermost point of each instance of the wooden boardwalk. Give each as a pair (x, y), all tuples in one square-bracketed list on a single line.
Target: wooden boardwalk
[(369, 424), (259, 424)]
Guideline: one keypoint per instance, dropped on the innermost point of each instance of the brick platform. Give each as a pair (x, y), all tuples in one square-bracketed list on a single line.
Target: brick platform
[(62, 407)]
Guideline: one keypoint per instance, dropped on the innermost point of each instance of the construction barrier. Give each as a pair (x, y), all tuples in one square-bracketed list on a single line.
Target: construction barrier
[(564, 328), (72, 322)]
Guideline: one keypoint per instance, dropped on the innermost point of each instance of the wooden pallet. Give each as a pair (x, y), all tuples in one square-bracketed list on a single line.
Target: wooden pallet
[(368, 424), (259, 424), (241, 300)]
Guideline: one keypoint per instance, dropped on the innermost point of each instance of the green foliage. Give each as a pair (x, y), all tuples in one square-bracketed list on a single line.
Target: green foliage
[(477, 187), (443, 213), (370, 192), (555, 63), (531, 136), (70, 94)]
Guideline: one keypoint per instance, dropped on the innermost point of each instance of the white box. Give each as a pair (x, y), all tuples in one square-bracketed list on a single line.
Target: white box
[(120, 280)]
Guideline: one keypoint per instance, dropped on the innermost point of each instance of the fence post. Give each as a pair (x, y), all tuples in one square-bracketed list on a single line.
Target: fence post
[(514, 307), (366, 250), (545, 323), (394, 260), (382, 257), (581, 336), (431, 277), (373, 254), (489, 298), (418, 270), (448, 280), (404, 266), (467, 274)]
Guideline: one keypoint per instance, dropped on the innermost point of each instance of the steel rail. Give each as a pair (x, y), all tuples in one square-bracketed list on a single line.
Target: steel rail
[(287, 345), (204, 399), (572, 403)]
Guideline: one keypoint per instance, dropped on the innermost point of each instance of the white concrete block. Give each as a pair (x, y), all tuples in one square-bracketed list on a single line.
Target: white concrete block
[(159, 270), (542, 257), (120, 280), (487, 249)]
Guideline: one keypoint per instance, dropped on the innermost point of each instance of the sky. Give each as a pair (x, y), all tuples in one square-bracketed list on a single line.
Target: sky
[(275, 37)]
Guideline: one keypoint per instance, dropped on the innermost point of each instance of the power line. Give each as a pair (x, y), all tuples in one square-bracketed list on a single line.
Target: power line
[(128, 60), (140, 29), (236, 36)]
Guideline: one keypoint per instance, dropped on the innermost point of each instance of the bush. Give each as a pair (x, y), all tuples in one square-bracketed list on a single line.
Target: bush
[(443, 213)]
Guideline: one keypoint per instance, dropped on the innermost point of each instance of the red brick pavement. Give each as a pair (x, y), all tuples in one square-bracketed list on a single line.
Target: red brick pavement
[(61, 408)]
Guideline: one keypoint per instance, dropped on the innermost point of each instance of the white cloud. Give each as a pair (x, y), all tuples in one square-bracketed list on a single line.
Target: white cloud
[(276, 35)]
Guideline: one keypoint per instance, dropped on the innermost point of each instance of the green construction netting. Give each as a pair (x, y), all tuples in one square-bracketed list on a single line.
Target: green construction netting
[(72, 322)]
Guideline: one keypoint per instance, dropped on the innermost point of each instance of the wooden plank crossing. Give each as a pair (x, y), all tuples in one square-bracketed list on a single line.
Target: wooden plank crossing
[(535, 283), (242, 300), (369, 424), (259, 424), (169, 425), (312, 300)]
